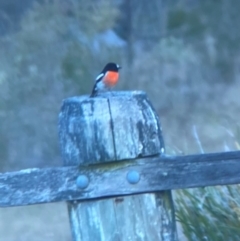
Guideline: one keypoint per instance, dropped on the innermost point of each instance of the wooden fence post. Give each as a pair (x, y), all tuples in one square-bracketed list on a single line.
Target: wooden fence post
[(114, 127)]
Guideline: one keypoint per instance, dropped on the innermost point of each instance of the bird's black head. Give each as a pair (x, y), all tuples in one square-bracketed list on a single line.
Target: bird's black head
[(111, 67)]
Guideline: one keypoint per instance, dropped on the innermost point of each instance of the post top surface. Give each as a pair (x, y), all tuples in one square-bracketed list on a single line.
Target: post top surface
[(108, 94)]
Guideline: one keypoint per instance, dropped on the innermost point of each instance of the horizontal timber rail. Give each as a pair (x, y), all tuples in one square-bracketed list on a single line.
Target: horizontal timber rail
[(32, 186)]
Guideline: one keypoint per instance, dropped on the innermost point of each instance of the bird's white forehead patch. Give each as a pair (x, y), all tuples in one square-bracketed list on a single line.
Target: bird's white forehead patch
[(118, 66)]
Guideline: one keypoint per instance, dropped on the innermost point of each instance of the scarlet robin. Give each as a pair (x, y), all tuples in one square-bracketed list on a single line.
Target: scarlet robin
[(106, 79)]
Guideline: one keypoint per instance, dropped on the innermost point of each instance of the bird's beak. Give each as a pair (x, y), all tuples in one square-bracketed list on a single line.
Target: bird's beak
[(119, 67)]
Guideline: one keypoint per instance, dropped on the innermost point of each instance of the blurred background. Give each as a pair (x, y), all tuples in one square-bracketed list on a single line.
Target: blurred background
[(185, 54)]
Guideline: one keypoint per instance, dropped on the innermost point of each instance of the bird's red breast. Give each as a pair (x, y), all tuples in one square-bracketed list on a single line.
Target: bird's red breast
[(110, 78)]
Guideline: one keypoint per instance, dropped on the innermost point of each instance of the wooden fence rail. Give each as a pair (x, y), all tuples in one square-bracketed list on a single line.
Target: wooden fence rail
[(32, 186), (112, 149)]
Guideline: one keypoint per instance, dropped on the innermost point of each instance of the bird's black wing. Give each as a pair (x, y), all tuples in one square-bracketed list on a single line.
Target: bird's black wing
[(98, 79)]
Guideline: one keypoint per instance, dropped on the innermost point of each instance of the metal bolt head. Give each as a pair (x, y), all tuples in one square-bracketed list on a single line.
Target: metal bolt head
[(82, 181), (133, 177)]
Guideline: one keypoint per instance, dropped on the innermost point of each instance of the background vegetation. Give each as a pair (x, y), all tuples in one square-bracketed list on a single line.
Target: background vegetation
[(185, 54)]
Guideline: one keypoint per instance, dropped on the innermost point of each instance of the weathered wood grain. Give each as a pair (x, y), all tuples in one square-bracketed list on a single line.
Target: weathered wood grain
[(113, 127), (32, 186), (85, 132)]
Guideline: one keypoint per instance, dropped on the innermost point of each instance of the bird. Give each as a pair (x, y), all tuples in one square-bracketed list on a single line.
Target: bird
[(106, 79)]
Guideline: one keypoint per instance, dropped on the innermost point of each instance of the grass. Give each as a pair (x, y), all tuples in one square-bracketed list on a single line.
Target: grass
[(210, 213)]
